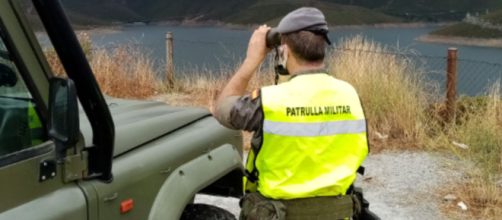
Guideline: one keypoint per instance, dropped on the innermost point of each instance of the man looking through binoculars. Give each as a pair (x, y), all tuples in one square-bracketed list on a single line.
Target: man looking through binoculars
[(305, 153)]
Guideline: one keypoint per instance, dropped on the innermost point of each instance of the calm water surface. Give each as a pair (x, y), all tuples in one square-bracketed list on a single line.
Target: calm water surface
[(213, 46)]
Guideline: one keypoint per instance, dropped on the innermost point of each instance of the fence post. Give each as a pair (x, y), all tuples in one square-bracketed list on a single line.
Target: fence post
[(451, 84), (169, 60)]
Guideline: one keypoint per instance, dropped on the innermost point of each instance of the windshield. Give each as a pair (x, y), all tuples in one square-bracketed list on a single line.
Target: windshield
[(20, 125), (10, 84)]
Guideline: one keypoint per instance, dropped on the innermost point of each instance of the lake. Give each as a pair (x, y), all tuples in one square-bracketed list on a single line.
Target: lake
[(211, 48)]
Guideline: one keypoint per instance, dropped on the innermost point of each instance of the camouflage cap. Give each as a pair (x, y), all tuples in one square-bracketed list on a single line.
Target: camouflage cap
[(305, 18)]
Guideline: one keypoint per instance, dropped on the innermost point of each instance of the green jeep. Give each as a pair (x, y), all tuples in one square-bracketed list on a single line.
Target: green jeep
[(66, 152)]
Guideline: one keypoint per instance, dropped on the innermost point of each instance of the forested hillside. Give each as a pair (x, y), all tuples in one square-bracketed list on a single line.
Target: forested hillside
[(259, 11)]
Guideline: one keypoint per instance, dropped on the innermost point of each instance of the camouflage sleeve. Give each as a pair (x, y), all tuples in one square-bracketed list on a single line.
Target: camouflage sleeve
[(241, 112)]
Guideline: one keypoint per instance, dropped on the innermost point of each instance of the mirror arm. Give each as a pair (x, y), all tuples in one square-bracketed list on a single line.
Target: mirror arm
[(63, 126)]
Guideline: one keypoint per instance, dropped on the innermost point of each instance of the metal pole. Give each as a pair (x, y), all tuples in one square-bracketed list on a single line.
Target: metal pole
[(169, 60), (451, 83)]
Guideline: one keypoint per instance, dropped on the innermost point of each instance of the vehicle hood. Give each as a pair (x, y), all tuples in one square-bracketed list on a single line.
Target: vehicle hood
[(138, 122)]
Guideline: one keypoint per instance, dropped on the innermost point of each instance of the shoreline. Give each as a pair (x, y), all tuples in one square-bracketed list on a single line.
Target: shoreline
[(393, 25), (428, 38), (463, 41), (213, 23)]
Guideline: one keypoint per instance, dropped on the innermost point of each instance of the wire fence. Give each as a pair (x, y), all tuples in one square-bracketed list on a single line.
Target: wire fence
[(473, 77)]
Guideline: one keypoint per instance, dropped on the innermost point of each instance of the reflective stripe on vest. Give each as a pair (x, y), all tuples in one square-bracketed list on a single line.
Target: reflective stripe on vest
[(314, 129), (314, 138)]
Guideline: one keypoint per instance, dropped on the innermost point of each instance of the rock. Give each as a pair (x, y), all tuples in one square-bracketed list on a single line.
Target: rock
[(462, 206), (367, 179), (449, 197), (463, 146), (499, 183), (381, 136)]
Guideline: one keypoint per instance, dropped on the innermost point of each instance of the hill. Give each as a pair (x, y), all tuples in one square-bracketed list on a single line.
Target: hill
[(428, 10), (235, 11), (336, 14), (260, 11), (494, 17)]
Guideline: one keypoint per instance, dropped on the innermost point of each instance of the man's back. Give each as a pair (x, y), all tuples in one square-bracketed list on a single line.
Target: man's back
[(314, 138), (310, 133)]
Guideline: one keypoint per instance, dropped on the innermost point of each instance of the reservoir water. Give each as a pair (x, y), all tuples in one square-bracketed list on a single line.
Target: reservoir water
[(211, 48)]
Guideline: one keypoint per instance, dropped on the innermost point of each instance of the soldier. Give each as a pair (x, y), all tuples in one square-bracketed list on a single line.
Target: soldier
[(309, 132)]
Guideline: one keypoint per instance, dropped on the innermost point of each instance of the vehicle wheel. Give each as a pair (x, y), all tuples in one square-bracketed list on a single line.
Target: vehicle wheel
[(205, 212)]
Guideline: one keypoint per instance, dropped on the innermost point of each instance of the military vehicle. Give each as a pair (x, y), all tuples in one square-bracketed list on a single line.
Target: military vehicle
[(67, 152)]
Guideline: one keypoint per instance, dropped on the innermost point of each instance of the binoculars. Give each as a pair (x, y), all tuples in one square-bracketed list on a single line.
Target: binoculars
[(273, 38)]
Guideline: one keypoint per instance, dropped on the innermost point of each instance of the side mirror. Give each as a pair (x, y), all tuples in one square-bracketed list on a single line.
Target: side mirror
[(7, 76), (63, 114)]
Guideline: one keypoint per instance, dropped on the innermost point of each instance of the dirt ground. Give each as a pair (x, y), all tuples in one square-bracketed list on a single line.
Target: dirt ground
[(398, 185)]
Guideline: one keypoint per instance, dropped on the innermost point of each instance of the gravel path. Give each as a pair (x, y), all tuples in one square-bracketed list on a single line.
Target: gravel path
[(404, 185), (398, 185)]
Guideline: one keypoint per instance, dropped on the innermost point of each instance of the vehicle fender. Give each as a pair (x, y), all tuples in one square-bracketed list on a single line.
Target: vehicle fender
[(65, 203), (188, 179)]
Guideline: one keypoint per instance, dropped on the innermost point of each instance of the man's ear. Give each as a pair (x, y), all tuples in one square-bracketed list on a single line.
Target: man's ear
[(288, 53), (281, 61), (285, 50), (284, 55)]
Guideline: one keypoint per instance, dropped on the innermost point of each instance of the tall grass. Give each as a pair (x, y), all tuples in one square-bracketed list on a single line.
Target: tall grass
[(391, 89), (124, 72), (200, 87), (481, 130), (399, 103), (479, 127)]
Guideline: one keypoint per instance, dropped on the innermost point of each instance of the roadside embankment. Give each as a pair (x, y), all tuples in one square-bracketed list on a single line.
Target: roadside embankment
[(469, 41)]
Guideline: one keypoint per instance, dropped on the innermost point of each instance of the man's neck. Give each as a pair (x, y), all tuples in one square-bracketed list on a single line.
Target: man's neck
[(306, 68)]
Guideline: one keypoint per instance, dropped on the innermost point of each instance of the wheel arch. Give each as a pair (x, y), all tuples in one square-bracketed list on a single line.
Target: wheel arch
[(188, 179)]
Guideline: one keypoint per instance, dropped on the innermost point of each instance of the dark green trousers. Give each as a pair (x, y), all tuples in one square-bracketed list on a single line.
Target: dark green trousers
[(256, 207)]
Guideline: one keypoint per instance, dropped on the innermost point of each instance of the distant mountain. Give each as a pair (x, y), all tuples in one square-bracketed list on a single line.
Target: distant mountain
[(423, 6), (426, 10), (261, 11), (151, 10)]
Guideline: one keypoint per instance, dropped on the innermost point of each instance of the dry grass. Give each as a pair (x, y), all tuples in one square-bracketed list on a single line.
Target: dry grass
[(124, 72), (201, 87), (479, 127), (55, 63), (483, 200), (391, 90), (396, 103)]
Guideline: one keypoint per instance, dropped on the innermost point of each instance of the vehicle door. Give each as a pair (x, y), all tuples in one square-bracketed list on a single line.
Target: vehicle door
[(31, 185)]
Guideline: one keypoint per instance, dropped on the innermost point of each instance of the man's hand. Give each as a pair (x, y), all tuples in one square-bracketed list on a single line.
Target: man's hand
[(257, 47), (256, 53)]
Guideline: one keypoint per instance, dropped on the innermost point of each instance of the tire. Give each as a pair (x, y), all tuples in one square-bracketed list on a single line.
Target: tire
[(205, 212)]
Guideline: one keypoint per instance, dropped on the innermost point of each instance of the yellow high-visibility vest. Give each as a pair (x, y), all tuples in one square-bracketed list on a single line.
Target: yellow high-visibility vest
[(314, 138), (35, 125)]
